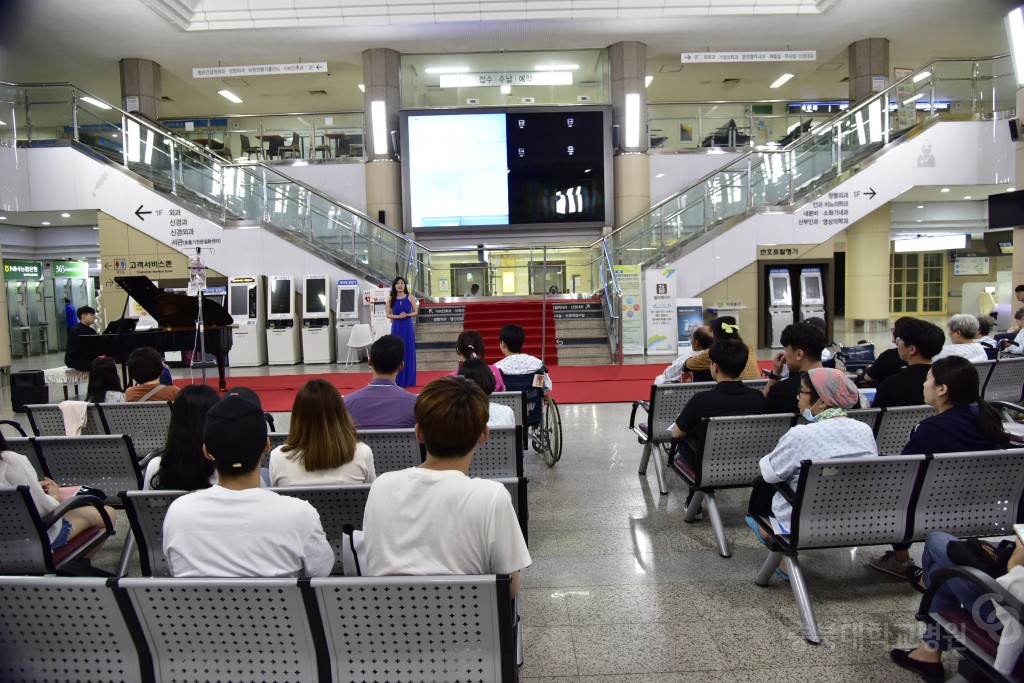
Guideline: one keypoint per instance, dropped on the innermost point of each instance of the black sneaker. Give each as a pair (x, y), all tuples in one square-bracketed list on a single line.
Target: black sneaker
[(915, 577), (930, 671)]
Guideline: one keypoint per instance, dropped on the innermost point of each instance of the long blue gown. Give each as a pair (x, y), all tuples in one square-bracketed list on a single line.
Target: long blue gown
[(407, 332)]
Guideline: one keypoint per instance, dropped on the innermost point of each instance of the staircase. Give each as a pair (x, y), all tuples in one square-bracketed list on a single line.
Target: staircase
[(536, 317)]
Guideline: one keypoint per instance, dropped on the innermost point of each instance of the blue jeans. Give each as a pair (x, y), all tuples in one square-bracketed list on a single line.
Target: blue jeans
[(953, 593)]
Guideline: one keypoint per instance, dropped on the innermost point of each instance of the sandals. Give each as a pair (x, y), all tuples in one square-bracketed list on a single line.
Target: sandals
[(757, 532)]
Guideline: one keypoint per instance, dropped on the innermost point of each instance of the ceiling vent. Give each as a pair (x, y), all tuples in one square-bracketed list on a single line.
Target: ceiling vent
[(165, 98), (730, 81), (236, 82), (670, 68), (317, 92)]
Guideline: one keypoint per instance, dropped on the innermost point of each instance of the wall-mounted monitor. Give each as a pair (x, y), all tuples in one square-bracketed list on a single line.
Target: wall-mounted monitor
[(281, 298), (539, 167), (1006, 210), (314, 298)]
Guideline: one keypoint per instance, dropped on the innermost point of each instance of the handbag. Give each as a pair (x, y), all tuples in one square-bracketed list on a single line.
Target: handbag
[(982, 555)]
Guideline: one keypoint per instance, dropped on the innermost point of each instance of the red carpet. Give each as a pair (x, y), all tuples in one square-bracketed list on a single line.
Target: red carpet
[(488, 318), (572, 384)]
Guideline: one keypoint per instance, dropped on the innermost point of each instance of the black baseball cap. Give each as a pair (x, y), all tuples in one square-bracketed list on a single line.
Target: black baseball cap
[(235, 434)]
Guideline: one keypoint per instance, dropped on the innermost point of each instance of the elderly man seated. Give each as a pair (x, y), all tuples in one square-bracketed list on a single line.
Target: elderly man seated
[(700, 340), (963, 328)]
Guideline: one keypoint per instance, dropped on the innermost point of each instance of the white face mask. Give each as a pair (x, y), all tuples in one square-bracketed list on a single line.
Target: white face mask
[(809, 416)]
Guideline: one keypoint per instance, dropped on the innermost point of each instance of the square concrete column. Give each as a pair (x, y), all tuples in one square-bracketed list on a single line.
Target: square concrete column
[(628, 66), (381, 69), (867, 266), (140, 79), (1018, 233), (867, 58)]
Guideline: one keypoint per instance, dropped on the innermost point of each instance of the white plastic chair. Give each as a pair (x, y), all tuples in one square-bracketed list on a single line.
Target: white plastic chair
[(361, 338)]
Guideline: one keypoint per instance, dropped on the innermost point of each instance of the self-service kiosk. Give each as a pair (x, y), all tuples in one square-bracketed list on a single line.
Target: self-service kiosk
[(247, 305), (284, 341), (346, 308), (317, 332), (780, 304), (812, 294)]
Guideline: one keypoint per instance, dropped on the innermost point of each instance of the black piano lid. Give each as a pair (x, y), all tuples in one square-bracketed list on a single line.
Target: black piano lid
[(172, 310)]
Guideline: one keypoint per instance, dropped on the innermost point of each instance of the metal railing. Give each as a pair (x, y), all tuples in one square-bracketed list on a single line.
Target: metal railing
[(819, 158)]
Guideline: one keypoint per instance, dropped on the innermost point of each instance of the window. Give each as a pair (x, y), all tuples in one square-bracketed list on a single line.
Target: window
[(917, 283)]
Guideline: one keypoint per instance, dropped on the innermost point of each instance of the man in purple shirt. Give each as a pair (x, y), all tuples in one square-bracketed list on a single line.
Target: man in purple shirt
[(382, 404)]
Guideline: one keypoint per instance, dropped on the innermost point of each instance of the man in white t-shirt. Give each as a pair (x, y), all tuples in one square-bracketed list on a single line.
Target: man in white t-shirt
[(434, 519), (235, 528)]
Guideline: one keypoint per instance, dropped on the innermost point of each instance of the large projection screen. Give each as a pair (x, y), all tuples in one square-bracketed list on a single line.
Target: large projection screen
[(536, 167)]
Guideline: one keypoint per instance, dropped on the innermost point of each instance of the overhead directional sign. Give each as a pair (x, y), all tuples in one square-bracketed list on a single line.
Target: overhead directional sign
[(761, 56), (260, 70)]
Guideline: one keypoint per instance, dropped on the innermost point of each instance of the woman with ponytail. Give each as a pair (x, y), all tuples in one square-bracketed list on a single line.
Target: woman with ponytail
[(470, 346)]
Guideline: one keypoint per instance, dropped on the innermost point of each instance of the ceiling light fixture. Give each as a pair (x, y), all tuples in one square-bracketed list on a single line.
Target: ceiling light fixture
[(915, 98), (65, 215), (506, 89), (3, 123), (362, 87), (781, 80), (920, 206), (967, 196), (3, 218), (96, 103), (648, 80), (45, 223), (945, 189), (921, 76), (230, 96), (930, 243), (1011, 189)]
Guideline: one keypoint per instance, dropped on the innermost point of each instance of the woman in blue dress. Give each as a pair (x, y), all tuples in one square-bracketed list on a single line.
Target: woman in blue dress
[(401, 309)]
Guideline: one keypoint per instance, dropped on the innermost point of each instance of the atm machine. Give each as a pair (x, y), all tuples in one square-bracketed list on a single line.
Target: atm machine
[(317, 332), (346, 312), (284, 339), (247, 305), (812, 294), (780, 305)]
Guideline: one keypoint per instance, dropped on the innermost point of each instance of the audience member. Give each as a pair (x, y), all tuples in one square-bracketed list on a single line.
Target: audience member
[(382, 404), (478, 371), (986, 326), (965, 422), (515, 362), (700, 340), (825, 394), (434, 519), (926, 659), (470, 345), (235, 528), (888, 362), (16, 470), (104, 382), (802, 344), (963, 328), (181, 465), (728, 398), (145, 367), (322, 447), (918, 342), (827, 358), (74, 356), (1015, 344), (722, 328)]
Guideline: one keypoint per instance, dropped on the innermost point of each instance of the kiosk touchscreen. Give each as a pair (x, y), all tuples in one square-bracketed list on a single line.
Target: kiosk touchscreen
[(247, 305), (812, 294), (346, 307), (317, 332), (780, 305), (284, 342)]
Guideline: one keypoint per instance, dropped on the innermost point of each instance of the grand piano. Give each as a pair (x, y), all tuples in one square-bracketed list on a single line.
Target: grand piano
[(176, 315)]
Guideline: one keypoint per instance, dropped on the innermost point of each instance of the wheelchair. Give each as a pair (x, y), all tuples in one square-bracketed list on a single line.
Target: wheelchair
[(543, 423)]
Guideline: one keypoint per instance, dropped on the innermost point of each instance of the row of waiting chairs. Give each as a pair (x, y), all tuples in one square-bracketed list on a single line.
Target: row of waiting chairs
[(422, 628), (146, 422), (1002, 379), (852, 502), (338, 506)]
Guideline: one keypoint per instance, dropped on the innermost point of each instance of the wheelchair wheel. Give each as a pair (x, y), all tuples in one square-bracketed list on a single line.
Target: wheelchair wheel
[(551, 432)]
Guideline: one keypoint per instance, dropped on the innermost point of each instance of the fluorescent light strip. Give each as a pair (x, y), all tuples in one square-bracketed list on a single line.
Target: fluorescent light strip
[(379, 119), (915, 98), (3, 123), (781, 80), (228, 95), (930, 243), (648, 80), (921, 76), (1015, 29), (633, 119), (96, 103)]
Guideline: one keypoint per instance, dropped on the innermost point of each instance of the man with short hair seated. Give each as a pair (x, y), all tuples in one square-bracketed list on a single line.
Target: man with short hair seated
[(802, 345), (145, 366), (700, 340), (382, 404), (963, 328), (918, 343), (510, 341), (75, 357), (235, 528), (435, 519), (729, 397)]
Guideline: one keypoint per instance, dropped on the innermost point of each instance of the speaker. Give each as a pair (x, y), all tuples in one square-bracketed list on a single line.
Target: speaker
[(1015, 129), (28, 387), (380, 217)]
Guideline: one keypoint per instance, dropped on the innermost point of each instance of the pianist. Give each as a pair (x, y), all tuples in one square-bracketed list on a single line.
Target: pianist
[(145, 367), (75, 357)]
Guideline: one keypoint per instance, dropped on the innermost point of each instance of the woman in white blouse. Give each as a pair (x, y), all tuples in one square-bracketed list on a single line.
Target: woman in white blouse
[(321, 448)]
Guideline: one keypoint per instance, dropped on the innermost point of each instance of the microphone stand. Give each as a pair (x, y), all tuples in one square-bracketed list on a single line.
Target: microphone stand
[(199, 280)]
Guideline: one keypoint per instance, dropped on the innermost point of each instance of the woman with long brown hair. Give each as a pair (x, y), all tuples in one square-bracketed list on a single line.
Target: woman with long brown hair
[(321, 446)]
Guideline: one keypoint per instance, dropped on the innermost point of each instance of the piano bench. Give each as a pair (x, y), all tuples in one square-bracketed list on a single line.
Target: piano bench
[(66, 376)]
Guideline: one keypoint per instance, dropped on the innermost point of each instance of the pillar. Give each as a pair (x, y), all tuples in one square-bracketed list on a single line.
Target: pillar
[(867, 58), (1018, 233), (140, 82), (628, 66), (867, 267), (5, 331), (381, 69)]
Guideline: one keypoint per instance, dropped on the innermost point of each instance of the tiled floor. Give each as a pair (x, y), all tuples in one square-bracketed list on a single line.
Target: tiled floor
[(622, 590)]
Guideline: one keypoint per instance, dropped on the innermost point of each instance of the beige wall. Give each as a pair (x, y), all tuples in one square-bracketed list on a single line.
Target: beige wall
[(384, 192), (867, 266), (632, 186), (142, 255)]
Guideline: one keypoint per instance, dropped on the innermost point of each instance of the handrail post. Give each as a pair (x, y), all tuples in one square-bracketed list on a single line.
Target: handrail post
[(750, 183), (544, 304), (266, 196), (792, 176), (838, 147), (223, 198), (74, 114), (172, 152)]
